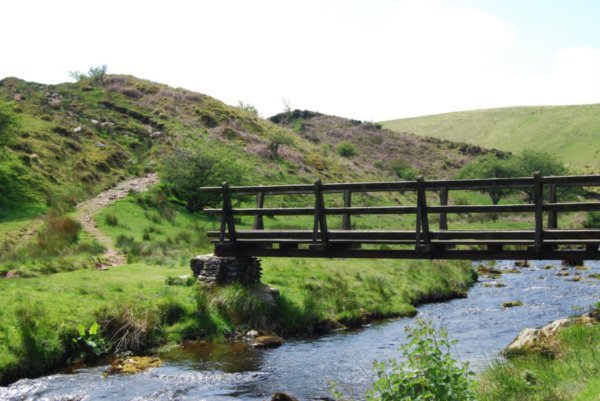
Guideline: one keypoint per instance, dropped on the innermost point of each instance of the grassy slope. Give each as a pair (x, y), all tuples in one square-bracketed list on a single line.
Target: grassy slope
[(572, 133), (573, 376)]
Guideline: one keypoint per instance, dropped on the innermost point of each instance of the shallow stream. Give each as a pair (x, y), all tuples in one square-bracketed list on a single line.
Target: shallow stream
[(305, 367)]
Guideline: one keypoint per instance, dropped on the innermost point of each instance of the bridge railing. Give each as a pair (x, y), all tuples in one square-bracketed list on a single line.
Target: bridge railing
[(543, 241)]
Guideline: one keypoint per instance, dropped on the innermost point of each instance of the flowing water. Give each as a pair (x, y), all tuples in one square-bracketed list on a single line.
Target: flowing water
[(305, 367)]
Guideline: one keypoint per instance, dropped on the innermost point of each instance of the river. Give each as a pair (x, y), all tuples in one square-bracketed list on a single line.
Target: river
[(304, 367)]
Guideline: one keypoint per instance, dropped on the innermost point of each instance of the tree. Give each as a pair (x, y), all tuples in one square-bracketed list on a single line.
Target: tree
[(185, 171), (95, 74), (9, 123), (489, 166), (277, 139), (531, 161)]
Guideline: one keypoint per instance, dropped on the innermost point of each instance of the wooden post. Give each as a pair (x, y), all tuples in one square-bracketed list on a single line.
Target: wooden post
[(228, 214), (258, 219), (552, 215), (320, 223), (443, 202), (539, 211), (346, 222), (422, 218)]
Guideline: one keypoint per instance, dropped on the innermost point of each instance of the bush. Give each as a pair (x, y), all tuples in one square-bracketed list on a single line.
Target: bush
[(592, 220), (277, 139), (185, 171), (489, 166), (130, 328), (403, 170), (111, 219), (346, 149), (57, 233), (427, 370)]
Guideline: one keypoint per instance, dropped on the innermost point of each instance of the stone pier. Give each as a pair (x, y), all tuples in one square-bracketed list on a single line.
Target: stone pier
[(224, 270)]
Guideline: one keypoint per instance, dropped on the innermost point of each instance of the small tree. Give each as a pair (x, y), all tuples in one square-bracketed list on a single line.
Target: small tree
[(277, 139), (185, 171), (531, 161), (489, 166), (95, 74), (346, 149)]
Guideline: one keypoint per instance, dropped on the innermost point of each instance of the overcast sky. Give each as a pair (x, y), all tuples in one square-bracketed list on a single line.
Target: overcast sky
[(370, 60)]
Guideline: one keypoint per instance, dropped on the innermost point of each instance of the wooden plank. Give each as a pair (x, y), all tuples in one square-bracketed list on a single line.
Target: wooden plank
[(538, 200), (572, 207), (258, 218), (573, 180), (228, 216), (346, 221), (332, 252), (481, 209), (369, 210), (552, 214), (320, 222), (473, 184), (423, 220), (443, 224)]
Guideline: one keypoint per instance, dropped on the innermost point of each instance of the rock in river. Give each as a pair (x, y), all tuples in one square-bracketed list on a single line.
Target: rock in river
[(266, 342), (134, 364)]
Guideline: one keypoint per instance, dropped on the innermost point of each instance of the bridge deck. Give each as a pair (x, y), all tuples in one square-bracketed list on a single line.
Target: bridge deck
[(544, 241)]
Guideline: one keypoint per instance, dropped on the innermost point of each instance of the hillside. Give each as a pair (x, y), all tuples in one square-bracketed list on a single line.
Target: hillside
[(381, 151), (572, 133), (76, 139)]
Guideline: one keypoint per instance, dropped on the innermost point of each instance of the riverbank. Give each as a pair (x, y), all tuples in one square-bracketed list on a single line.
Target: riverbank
[(41, 316), (565, 368)]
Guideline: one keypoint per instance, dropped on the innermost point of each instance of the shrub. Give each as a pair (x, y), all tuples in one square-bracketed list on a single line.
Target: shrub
[(403, 170), (57, 233), (489, 166), (427, 370), (111, 219), (346, 149), (592, 220), (130, 328), (277, 139)]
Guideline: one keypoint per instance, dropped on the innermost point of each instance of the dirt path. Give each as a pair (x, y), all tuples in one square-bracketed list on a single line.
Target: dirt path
[(87, 210)]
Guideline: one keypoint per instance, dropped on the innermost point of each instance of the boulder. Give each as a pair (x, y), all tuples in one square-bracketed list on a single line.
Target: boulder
[(544, 340), (134, 364), (283, 397), (522, 263), (270, 341), (511, 304)]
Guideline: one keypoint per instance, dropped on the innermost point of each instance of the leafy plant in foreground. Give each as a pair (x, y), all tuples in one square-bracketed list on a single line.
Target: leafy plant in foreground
[(427, 370), (90, 341)]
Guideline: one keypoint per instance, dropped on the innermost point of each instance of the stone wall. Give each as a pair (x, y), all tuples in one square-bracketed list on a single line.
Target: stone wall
[(224, 270)]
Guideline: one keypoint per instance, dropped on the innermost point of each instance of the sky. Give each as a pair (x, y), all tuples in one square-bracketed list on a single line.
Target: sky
[(364, 59)]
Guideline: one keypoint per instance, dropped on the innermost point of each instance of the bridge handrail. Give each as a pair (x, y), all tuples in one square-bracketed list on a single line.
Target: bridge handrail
[(424, 239), (468, 184)]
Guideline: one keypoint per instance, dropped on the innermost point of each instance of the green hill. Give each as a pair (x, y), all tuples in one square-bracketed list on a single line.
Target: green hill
[(572, 133)]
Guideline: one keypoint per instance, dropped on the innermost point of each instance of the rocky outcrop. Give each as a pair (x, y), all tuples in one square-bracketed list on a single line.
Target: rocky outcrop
[(225, 270), (544, 340)]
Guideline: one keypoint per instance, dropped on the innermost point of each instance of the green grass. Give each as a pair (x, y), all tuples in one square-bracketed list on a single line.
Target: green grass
[(573, 376), (571, 133)]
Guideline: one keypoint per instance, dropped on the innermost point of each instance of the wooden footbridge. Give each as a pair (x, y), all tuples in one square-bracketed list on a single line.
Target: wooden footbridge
[(544, 240)]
